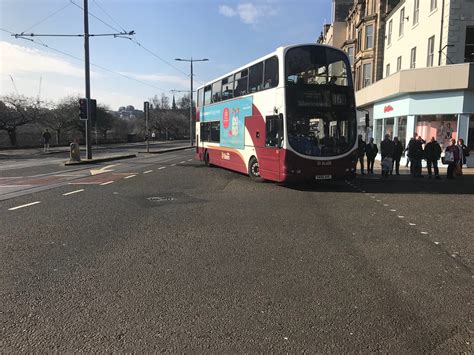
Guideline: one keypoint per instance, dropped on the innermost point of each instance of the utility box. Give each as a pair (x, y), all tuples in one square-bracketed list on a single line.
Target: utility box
[(74, 152)]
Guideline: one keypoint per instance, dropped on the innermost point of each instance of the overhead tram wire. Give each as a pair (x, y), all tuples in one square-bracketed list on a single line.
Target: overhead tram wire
[(96, 17), (48, 17), (82, 60), (108, 15)]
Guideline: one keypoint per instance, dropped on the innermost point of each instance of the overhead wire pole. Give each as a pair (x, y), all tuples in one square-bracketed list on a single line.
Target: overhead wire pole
[(88, 81), (191, 138)]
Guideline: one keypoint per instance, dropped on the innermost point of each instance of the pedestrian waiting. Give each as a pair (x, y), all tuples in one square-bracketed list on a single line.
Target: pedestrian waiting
[(386, 150), (432, 155), (415, 153), (464, 150), (46, 140), (371, 152), (361, 153), (452, 157), (397, 155)]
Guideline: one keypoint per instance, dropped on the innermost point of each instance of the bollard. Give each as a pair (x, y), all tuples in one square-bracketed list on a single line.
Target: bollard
[(74, 152)]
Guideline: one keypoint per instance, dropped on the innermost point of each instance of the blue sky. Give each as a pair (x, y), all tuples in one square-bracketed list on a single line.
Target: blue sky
[(229, 33)]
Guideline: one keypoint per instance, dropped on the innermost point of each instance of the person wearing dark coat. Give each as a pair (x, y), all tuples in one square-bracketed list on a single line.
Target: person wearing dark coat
[(397, 155), (371, 151), (415, 153), (360, 153), (386, 147), (432, 155)]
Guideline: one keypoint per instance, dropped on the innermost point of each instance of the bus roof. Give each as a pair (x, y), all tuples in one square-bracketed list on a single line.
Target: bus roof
[(279, 50)]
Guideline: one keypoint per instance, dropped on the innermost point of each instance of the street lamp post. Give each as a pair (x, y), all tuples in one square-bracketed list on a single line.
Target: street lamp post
[(191, 95)]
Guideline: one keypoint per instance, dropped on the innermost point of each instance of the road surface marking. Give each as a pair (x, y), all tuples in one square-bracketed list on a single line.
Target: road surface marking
[(173, 164), (412, 224), (28, 204), (182, 162), (190, 160), (393, 210), (385, 205), (106, 183), (148, 171), (73, 192), (105, 169), (424, 232), (378, 200), (401, 216), (436, 243), (163, 167), (129, 176)]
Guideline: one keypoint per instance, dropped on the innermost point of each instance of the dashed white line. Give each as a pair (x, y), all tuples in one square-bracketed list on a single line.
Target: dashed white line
[(412, 224), (22, 206), (73, 192), (385, 205), (401, 216), (148, 171), (424, 232), (393, 210), (163, 167), (173, 164), (190, 160), (129, 176), (378, 200), (106, 183), (182, 162)]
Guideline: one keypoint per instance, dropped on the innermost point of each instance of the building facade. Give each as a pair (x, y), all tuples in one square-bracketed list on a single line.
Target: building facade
[(426, 87)]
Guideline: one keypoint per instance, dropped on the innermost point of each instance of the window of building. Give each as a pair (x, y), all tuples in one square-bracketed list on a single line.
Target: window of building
[(430, 55), (469, 45), (369, 36), (216, 91), (413, 58), (387, 70), (359, 40), (367, 72), (271, 73), (401, 25), (256, 77), (399, 63), (433, 5), (389, 34), (350, 54), (416, 12)]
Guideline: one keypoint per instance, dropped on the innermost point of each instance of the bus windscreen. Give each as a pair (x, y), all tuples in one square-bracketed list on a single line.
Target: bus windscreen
[(320, 101)]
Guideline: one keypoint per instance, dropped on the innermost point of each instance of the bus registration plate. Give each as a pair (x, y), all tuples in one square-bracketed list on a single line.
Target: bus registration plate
[(323, 177)]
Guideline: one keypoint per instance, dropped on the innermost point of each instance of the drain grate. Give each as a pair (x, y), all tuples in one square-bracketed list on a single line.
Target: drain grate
[(161, 199)]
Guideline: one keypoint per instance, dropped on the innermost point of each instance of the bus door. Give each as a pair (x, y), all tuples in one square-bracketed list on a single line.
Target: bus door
[(269, 155)]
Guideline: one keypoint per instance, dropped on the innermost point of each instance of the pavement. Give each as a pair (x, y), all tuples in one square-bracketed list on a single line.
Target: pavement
[(167, 255)]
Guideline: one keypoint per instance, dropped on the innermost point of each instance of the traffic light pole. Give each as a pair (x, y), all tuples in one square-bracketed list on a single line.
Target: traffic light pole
[(88, 81)]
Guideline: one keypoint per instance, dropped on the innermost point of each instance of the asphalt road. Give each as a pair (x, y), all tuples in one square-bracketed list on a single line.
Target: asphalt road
[(164, 254)]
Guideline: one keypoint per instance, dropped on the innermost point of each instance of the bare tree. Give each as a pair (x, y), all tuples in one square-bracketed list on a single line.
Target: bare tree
[(16, 111), (62, 117)]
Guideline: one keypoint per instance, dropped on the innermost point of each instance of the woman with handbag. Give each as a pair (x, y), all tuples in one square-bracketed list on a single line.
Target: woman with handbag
[(451, 157)]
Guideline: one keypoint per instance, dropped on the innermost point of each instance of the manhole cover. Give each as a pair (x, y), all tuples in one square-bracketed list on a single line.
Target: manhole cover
[(161, 199)]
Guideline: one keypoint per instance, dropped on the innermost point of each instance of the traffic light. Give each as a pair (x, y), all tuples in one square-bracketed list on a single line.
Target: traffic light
[(83, 109)]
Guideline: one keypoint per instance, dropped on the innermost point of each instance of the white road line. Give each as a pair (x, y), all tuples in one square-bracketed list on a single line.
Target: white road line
[(412, 224), (393, 210), (173, 164), (182, 162), (73, 192), (424, 232), (106, 183), (190, 160), (401, 216), (28, 204), (129, 176), (148, 171), (385, 205), (163, 167)]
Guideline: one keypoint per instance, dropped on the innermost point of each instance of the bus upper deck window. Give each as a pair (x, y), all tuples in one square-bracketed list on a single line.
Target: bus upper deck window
[(271, 73)]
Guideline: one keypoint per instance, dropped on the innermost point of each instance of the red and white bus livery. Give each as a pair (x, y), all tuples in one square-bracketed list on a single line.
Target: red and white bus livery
[(287, 116)]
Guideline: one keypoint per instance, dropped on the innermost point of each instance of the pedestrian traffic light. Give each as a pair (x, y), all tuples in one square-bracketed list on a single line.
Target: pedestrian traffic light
[(83, 109)]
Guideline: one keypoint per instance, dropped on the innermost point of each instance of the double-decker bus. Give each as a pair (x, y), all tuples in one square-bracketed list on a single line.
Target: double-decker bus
[(287, 116)]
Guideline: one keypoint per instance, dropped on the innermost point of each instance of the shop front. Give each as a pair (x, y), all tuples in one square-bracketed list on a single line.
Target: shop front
[(441, 114)]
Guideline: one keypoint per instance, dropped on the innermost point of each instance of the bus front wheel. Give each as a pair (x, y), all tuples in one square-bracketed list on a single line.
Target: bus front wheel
[(254, 170)]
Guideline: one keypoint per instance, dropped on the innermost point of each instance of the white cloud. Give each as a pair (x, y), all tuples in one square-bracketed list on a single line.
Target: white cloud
[(227, 11), (20, 60), (250, 13)]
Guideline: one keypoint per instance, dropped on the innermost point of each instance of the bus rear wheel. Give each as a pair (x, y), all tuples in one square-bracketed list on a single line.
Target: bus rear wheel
[(254, 170), (206, 159)]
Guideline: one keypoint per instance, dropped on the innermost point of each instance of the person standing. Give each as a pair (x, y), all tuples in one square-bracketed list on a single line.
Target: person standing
[(464, 150), (451, 157), (386, 150), (46, 139), (360, 153), (397, 155), (415, 152), (432, 154), (371, 151)]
